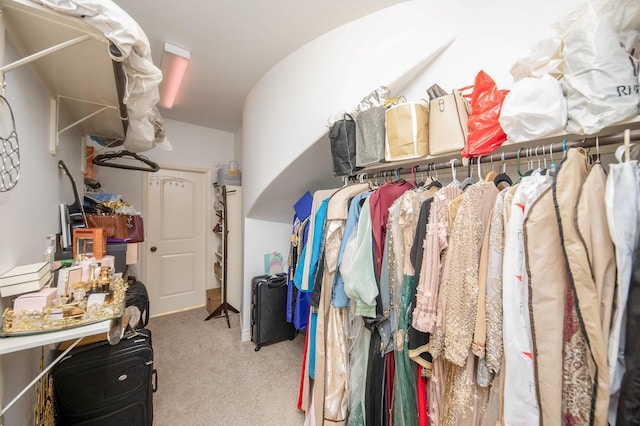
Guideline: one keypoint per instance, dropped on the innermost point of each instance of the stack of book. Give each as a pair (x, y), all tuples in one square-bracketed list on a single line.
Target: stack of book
[(25, 279)]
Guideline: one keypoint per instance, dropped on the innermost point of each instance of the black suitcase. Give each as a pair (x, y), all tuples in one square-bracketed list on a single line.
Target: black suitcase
[(104, 385), (269, 310)]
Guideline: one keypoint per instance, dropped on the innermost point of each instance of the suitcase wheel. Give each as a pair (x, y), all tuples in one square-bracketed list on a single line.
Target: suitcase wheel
[(257, 348), (154, 378)]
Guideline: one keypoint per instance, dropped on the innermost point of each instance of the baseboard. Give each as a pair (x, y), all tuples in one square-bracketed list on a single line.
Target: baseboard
[(176, 311), (246, 335)]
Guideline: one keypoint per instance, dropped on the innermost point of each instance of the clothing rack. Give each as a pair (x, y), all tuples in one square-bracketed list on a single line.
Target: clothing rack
[(516, 152)]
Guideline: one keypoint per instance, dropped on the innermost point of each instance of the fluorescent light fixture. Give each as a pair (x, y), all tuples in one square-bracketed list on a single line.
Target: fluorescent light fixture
[(174, 64)]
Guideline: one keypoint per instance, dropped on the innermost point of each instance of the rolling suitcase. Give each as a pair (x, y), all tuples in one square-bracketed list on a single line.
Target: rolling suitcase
[(269, 310), (102, 384)]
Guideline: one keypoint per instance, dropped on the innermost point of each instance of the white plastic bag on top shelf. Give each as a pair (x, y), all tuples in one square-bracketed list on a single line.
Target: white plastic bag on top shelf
[(534, 107), (599, 78), (544, 57)]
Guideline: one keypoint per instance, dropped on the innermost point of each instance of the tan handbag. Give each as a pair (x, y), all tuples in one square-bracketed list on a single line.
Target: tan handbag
[(448, 123), (407, 134), (114, 225)]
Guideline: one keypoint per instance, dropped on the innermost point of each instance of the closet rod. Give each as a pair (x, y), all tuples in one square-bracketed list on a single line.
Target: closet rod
[(540, 150)]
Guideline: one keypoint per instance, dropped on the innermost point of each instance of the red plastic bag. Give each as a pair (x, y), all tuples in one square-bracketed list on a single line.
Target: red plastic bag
[(485, 132)]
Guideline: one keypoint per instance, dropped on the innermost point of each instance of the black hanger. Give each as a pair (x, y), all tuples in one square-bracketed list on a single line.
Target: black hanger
[(104, 160), (434, 182), (503, 177)]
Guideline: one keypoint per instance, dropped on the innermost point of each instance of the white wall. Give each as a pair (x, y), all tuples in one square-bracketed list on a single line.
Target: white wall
[(287, 111), (193, 147), (29, 212), (261, 237)]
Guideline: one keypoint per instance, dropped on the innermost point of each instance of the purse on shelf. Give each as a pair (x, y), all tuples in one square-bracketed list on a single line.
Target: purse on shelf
[(114, 225), (342, 135), (448, 123), (135, 228), (407, 133), (370, 136), (370, 127)]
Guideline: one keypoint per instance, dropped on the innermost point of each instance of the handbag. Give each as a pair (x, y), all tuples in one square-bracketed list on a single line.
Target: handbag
[(370, 136), (406, 131), (342, 135), (135, 228), (114, 225), (448, 123)]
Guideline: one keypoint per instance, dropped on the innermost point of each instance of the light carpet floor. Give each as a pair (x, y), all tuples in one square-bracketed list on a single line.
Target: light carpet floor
[(208, 377)]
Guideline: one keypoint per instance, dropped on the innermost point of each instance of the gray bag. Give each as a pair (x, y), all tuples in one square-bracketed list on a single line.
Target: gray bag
[(342, 135), (370, 136)]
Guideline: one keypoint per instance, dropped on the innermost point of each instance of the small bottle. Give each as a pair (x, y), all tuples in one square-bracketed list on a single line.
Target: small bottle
[(50, 250)]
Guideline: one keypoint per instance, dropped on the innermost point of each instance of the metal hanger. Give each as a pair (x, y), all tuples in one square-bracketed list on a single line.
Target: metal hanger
[(106, 158), (469, 180)]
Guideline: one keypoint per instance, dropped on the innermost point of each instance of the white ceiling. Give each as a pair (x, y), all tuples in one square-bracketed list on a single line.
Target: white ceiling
[(233, 44)]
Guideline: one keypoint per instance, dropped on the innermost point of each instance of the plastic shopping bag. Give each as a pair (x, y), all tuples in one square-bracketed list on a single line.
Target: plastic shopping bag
[(599, 79), (534, 107), (485, 132)]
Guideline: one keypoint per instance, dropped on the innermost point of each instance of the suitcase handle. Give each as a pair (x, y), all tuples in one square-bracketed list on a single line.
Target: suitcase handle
[(154, 380), (276, 283)]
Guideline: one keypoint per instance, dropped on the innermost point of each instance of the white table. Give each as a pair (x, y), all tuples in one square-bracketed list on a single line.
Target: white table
[(20, 343)]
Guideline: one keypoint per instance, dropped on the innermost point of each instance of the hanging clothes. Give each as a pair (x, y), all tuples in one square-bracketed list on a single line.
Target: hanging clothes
[(403, 219), (436, 241), (629, 402), (331, 351), (547, 284), (493, 298), (520, 398), (302, 280), (621, 199), (418, 340), (339, 298), (465, 401)]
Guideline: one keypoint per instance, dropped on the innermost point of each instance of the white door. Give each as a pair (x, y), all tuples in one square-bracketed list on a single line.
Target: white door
[(176, 244)]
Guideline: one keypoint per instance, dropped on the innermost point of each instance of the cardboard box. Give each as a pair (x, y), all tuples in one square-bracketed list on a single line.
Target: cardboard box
[(90, 242), (132, 253), (213, 299)]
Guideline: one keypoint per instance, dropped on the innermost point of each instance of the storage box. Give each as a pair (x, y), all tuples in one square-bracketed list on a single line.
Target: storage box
[(132, 253), (90, 242), (119, 252), (213, 299), (36, 301), (26, 286)]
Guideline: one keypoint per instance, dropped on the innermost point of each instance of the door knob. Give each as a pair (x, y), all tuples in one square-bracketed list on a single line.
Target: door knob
[(153, 249)]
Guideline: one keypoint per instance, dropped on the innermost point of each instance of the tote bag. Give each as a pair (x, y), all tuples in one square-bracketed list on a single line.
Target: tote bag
[(448, 123), (342, 135), (370, 136), (406, 131)]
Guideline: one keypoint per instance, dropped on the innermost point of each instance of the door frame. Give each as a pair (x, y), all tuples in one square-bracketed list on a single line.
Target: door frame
[(208, 222)]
